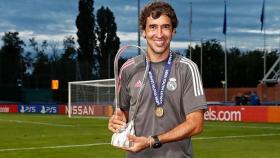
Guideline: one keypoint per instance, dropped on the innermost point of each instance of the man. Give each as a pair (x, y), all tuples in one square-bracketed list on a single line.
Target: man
[(173, 101)]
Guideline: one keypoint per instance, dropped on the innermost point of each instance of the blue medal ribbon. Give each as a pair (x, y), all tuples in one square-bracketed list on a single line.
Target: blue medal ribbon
[(159, 93)]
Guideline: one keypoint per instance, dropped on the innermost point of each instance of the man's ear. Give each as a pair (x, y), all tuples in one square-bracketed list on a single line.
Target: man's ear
[(174, 32), (144, 33)]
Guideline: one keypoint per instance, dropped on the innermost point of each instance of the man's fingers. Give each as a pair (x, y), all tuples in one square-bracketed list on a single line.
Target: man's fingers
[(117, 127), (110, 125), (115, 124), (119, 112), (118, 120), (130, 149), (114, 130), (114, 127), (126, 149), (131, 138)]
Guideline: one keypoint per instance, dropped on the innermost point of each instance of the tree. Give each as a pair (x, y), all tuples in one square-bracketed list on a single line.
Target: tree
[(243, 67), (41, 75), (108, 40), (54, 45), (235, 67), (85, 23), (69, 48), (249, 68), (65, 68), (11, 66), (213, 62)]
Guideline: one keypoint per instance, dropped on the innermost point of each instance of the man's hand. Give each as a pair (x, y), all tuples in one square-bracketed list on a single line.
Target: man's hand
[(117, 121), (139, 143)]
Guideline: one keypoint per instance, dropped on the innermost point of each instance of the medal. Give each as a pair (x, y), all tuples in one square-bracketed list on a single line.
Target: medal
[(159, 111), (158, 92)]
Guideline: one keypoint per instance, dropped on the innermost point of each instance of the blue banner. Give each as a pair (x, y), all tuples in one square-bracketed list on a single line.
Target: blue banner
[(41, 109)]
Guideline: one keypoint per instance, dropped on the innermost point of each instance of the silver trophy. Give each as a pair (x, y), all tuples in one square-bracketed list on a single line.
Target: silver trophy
[(120, 139)]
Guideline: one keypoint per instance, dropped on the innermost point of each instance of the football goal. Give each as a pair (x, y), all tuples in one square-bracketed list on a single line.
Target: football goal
[(91, 98)]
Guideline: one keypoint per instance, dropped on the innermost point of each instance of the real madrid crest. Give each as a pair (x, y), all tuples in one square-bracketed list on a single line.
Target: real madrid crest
[(171, 84)]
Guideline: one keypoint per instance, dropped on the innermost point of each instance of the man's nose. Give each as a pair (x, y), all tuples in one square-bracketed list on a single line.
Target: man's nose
[(159, 32)]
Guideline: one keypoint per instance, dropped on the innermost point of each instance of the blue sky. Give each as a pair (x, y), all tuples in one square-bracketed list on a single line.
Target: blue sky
[(52, 20)]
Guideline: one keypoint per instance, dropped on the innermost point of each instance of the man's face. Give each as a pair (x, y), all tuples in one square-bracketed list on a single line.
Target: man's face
[(158, 33)]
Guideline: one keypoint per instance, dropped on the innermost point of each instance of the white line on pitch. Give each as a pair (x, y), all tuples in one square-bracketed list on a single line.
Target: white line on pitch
[(241, 136), (54, 147), (97, 144), (37, 123)]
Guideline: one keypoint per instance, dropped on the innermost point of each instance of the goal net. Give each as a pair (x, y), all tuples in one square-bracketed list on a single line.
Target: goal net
[(91, 98)]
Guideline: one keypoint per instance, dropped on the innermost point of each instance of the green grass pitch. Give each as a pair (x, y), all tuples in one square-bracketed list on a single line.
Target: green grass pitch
[(54, 136)]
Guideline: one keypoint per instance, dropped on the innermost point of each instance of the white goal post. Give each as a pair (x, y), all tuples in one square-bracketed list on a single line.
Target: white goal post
[(91, 98)]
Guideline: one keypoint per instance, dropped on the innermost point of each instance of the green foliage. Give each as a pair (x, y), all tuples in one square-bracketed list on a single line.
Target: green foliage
[(245, 69), (69, 48), (85, 23), (213, 59), (108, 41), (41, 74), (65, 69), (12, 66)]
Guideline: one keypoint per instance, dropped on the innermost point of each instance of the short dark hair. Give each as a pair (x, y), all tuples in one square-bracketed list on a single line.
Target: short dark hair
[(156, 9)]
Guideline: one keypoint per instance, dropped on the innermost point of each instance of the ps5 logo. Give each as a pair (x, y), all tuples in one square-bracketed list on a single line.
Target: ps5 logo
[(29, 109), (48, 109)]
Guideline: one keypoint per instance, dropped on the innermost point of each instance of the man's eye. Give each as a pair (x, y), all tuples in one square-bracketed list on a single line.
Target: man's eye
[(153, 27), (166, 27)]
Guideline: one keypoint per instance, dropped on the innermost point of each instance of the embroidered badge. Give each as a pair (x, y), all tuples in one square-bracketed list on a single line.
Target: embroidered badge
[(171, 84)]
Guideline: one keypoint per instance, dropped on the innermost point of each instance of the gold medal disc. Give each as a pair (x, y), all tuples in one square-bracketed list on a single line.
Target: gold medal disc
[(159, 111)]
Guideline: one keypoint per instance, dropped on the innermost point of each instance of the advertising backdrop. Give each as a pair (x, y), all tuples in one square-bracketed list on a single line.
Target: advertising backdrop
[(243, 113), (214, 112)]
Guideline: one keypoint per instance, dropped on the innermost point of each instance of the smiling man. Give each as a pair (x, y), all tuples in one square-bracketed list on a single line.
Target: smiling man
[(173, 101)]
